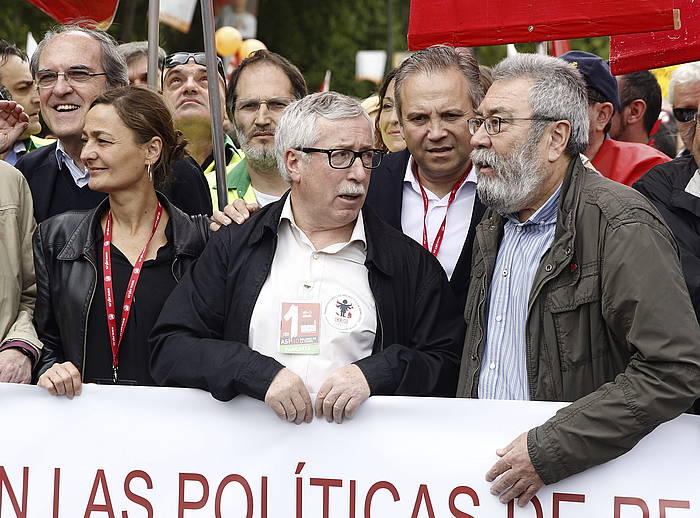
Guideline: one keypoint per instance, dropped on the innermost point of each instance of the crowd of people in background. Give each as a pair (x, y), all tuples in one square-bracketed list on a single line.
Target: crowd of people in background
[(531, 231)]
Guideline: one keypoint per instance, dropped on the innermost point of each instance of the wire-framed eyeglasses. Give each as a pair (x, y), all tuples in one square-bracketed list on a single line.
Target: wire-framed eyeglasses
[(493, 123), (344, 158), (73, 76)]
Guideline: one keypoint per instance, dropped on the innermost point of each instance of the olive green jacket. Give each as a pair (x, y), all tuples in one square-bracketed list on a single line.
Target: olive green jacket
[(610, 325)]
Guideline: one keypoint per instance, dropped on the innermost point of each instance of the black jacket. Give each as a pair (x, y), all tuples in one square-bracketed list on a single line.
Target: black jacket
[(188, 190), (201, 337), (64, 257), (664, 186), (385, 196)]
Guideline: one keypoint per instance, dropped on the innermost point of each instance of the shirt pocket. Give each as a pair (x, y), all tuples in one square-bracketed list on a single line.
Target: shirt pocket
[(574, 306)]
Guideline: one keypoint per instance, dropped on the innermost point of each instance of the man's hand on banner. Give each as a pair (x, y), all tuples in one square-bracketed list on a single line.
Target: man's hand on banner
[(289, 398), (518, 477), (13, 122), (62, 379), (15, 367), (342, 394)]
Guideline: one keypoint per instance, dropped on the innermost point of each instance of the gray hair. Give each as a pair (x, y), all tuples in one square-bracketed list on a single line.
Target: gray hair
[(136, 49), (440, 58), (112, 61), (686, 73), (297, 125), (558, 92)]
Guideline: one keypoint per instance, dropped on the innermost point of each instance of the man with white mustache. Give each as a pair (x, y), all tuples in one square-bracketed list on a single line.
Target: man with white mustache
[(576, 291), (315, 294)]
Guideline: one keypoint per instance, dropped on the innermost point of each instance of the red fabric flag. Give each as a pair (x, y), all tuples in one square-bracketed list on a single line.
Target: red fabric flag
[(470, 23), (633, 52), (82, 12), (559, 47)]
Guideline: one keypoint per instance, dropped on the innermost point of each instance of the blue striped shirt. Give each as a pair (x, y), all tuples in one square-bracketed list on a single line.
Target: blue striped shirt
[(504, 366)]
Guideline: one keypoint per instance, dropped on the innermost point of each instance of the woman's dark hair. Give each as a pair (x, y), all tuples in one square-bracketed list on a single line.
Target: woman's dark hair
[(378, 141), (144, 112)]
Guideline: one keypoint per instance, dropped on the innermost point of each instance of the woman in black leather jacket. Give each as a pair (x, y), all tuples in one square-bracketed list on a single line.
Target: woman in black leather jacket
[(103, 274)]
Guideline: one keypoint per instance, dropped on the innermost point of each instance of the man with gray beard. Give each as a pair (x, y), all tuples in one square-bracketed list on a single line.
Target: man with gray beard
[(260, 89), (576, 291)]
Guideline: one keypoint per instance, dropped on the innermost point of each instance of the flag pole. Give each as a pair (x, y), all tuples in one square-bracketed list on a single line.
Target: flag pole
[(153, 41), (217, 124)]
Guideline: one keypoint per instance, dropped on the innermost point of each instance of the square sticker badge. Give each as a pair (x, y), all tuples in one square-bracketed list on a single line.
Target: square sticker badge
[(300, 328)]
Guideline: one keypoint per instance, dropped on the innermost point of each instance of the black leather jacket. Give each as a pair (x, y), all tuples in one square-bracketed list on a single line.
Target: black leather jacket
[(64, 257)]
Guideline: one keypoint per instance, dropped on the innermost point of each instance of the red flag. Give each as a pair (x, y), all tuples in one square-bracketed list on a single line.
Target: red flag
[(633, 52), (559, 47), (91, 13), (470, 23)]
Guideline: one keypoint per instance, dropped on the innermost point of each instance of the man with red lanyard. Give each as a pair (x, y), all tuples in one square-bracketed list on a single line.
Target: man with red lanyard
[(428, 191)]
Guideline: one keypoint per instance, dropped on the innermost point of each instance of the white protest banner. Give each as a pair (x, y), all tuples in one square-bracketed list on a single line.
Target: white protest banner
[(132, 452), (178, 13)]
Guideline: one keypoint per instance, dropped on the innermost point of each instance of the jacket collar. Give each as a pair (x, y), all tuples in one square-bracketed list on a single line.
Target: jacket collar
[(373, 232), (679, 197), (82, 240)]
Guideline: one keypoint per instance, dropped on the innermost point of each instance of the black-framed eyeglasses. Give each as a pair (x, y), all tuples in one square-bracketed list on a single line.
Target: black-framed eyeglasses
[(73, 76), (274, 104), (685, 114), (200, 58), (344, 158), (493, 123)]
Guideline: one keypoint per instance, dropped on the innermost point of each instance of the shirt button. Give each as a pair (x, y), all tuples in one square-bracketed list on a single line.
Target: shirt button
[(499, 318), (492, 366), (518, 229), (505, 272), (315, 256)]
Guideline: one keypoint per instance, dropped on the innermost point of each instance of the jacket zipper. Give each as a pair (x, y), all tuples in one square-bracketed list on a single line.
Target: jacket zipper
[(480, 320), (87, 316)]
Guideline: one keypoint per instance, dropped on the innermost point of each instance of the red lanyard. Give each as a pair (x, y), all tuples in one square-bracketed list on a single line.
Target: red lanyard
[(130, 290), (435, 249)]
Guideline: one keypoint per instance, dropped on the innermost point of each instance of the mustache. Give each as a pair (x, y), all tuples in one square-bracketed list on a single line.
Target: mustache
[(486, 158), (351, 189)]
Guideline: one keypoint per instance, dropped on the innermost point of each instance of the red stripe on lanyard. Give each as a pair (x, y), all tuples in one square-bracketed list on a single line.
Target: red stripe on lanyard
[(130, 290), (435, 249)]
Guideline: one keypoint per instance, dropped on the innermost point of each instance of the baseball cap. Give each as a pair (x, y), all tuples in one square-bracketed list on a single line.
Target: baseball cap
[(597, 74)]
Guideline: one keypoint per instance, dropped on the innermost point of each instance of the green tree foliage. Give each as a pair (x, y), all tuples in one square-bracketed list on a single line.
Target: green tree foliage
[(320, 35)]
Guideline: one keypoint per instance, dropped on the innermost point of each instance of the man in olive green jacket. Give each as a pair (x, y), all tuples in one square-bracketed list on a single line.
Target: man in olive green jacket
[(576, 291)]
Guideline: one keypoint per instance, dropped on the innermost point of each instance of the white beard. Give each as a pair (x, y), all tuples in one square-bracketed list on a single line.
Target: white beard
[(515, 180), (262, 159)]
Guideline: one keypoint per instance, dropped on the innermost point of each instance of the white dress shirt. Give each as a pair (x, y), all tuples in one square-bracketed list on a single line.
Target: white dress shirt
[(459, 216), (320, 298), (80, 176)]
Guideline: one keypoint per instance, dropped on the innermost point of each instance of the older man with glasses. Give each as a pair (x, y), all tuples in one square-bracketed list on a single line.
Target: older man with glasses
[(315, 294), (71, 67)]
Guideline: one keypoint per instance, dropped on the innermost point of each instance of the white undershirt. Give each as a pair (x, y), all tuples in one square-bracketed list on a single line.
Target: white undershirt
[(335, 280), (458, 220), (265, 199)]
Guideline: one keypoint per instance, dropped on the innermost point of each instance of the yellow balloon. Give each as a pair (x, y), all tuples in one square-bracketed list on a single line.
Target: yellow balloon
[(228, 41), (248, 47)]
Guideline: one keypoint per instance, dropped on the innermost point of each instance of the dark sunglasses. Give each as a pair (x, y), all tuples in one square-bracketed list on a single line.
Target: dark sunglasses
[(685, 114), (200, 58)]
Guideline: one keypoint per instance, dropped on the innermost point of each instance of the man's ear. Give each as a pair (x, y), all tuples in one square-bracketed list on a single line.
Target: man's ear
[(154, 148), (603, 114), (292, 163), (558, 138), (634, 111)]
